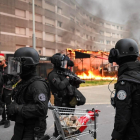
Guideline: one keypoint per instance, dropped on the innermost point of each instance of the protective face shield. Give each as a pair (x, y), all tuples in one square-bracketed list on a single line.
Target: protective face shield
[(14, 66), (63, 62), (69, 62)]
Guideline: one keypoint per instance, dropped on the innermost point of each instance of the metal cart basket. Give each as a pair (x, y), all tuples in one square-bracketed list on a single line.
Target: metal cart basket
[(73, 123)]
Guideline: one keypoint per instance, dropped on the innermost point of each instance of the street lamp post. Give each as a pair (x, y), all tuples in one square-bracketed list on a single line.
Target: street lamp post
[(33, 36)]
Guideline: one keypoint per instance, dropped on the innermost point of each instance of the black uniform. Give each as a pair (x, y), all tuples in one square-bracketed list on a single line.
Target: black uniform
[(32, 96), (58, 85), (127, 103), (6, 91), (1, 87), (63, 90)]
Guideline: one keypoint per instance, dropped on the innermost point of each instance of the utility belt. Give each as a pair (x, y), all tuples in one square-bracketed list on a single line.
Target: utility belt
[(57, 100)]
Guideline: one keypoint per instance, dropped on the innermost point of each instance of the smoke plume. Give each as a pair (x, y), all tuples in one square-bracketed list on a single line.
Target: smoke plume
[(118, 11)]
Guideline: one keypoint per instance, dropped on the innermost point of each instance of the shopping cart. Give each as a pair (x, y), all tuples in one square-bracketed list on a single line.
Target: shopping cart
[(73, 123)]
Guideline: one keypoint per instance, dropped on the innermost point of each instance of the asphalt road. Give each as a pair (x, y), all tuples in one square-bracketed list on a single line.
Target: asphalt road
[(97, 97)]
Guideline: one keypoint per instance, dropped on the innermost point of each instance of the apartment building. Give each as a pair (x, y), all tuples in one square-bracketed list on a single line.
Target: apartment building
[(60, 24)]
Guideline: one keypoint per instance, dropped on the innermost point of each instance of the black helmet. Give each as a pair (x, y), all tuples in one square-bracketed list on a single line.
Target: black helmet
[(61, 61), (27, 56), (124, 48), (127, 47)]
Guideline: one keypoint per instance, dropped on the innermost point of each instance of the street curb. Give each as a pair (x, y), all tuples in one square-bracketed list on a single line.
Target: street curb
[(98, 103), (94, 86)]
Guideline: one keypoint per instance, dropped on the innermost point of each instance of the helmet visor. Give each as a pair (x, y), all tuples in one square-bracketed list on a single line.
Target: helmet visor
[(64, 64), (13, 66)]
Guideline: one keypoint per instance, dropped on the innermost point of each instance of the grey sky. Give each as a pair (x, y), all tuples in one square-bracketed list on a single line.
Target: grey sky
[(119, 11)]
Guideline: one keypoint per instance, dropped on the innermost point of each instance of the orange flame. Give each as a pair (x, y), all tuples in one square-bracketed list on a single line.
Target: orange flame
[(91, 75)]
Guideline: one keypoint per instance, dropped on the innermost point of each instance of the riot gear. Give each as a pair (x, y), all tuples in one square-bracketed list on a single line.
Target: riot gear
[(24, 62), (127, 88), (124, 48), (64, 84), (61, 61), (30, 96), (27, 56)]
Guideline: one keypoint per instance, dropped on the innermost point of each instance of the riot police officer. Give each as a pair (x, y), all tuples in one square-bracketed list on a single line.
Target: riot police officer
[(127, 94), (7, 80), (62, 86), (31, 96)]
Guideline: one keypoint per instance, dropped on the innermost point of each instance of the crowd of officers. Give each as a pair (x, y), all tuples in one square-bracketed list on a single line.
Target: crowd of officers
[(27, 103)]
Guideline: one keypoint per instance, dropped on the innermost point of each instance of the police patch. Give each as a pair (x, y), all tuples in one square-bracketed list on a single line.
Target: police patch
[(42, 97), (121, 94)]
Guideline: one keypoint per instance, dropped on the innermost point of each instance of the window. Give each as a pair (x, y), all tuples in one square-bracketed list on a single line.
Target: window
[(72, 42), (121, 28), (39, 50), (49, 52), (72, 30), (113, 26), (113, 42), (86, 36), (108, 34), (59, 10), (101, 23), (38, 3), (38, 34), (77, 32), (20, 13), (107, 25), (50, 37), (77, 44), (90, 37), (77, 21), (19, 46), (118, 35), (87, 27), (121, 36), (59, 38), (114, 35), (87, 47), (118, 27), (38, 18), (59, 24), (101, 32), (20, 31), (50, 22), (72, 17), (50, 7), (107, 42), (90, 18), (24, 0), (102, 41)]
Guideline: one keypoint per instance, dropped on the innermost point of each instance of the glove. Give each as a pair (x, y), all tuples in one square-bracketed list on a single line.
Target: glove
[(73, 102), (13, 108)]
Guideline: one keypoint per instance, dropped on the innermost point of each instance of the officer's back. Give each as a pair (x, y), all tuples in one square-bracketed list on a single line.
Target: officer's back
[(127, 94)]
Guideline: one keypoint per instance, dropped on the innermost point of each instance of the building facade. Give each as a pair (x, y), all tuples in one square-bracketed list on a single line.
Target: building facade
[(60, 24)]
